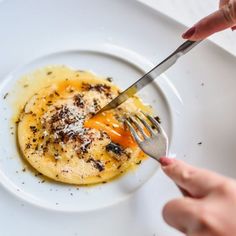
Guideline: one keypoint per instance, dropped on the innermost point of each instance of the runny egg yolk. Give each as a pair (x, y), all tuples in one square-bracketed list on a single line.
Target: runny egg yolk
[(106, 122)]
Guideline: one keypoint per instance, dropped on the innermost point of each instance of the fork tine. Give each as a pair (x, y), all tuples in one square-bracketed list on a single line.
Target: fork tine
[(154, 122), (140, 129), (147, 126), (133, 132)]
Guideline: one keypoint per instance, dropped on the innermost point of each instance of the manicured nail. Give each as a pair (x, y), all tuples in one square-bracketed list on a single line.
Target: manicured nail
[(165, 161), (233, 28), (189, 33)]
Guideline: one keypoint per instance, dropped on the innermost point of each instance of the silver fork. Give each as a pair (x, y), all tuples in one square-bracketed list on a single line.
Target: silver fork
[(155, 142)]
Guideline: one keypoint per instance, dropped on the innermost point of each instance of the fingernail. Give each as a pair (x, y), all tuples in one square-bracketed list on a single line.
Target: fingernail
[(189, 33), (233, 28), (165, 161)]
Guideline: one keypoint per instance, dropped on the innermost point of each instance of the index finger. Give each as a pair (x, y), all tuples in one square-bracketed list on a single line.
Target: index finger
[(197, 182), (219, 20)]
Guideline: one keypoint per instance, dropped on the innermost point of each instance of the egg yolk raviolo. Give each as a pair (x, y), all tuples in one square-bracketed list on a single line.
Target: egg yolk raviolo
[(60, 136)]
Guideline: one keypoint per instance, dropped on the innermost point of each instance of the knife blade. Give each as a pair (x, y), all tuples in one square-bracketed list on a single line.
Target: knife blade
[(151, 75)]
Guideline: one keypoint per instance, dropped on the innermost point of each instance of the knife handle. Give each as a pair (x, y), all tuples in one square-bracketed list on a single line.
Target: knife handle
[(186, 47)]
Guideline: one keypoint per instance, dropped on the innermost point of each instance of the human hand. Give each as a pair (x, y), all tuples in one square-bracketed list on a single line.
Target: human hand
[(209, 209), (222, 19)]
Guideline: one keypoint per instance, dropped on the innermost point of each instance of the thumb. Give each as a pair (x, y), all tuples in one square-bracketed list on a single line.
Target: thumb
[(222, 19), (197, 182), (184, 214)]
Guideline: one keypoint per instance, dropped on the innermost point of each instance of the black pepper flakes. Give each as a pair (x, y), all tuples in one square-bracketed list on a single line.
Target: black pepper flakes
[(157, 118), (139, 162), (97, 164), (27, 146), (5, 96), (49, 103), (101, 88), (110, 79), (78, 101), (84, 148), (33, 129)]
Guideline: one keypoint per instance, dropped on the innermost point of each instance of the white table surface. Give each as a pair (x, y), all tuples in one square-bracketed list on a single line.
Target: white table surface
[(189, 12)]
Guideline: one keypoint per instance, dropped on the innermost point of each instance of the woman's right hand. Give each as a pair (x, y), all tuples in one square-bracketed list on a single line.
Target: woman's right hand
[(220, 20), (209, 209)]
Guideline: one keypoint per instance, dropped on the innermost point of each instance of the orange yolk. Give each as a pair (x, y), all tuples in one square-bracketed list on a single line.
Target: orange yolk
[(107, 123)]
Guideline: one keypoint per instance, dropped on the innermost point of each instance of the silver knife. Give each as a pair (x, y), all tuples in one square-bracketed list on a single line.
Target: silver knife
[(151, 75)]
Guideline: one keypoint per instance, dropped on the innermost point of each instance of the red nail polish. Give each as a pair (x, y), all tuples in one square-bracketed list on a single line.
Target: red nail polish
[(189, 33), (233, 28), (165, 161)]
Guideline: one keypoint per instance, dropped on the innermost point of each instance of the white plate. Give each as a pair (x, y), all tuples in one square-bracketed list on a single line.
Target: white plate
[(121, 39), (54, 196)]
